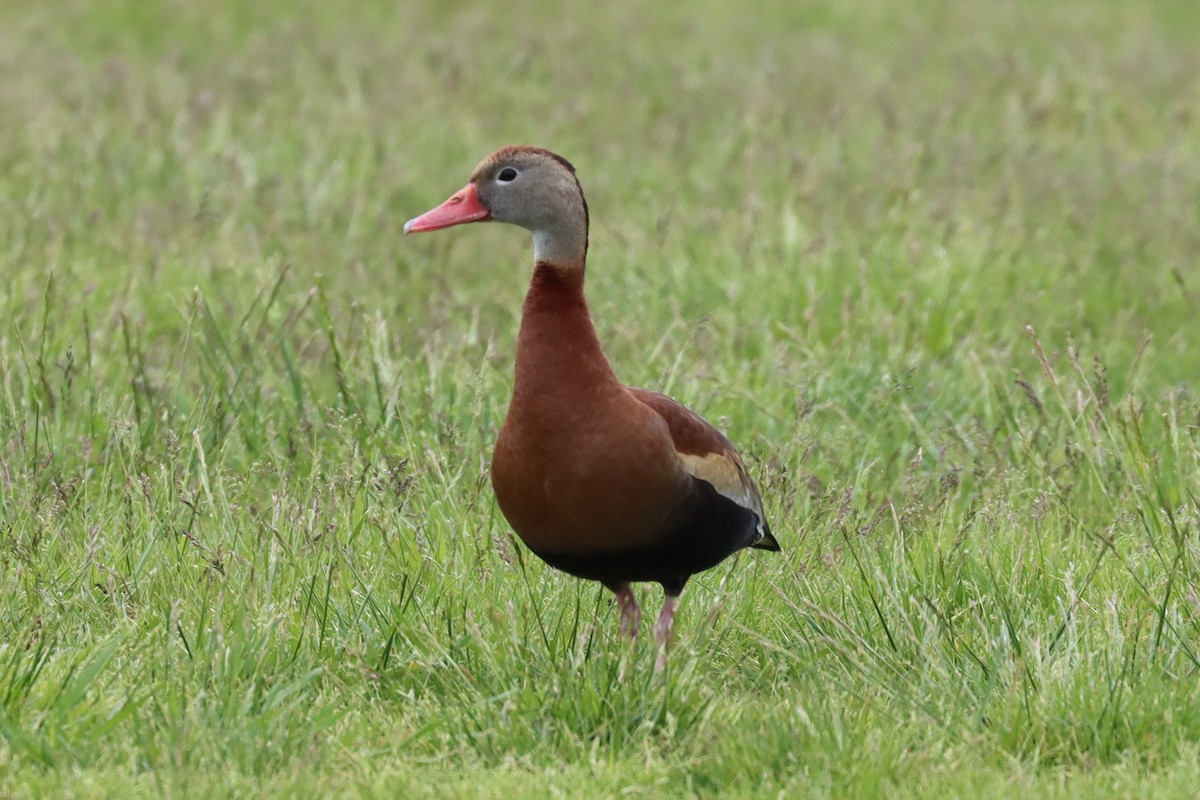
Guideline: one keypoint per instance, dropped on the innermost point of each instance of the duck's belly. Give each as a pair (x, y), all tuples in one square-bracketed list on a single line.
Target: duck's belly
[(698, 531), (593, 492)]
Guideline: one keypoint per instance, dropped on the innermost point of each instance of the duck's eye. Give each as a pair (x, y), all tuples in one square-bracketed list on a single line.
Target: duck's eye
[(506, 175)]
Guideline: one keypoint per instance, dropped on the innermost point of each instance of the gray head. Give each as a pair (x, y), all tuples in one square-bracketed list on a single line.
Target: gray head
[(525, 186)]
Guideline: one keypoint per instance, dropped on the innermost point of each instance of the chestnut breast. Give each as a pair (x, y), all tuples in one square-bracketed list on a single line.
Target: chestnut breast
[(587, 478)]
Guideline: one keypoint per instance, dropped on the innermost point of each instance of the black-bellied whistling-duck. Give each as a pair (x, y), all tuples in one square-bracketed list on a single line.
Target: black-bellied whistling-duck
[(603, 481)]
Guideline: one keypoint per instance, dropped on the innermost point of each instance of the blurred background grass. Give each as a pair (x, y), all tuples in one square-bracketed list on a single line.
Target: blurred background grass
[(248, 542)]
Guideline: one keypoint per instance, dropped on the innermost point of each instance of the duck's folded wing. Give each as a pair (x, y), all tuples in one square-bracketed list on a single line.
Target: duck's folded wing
[(708, 455)]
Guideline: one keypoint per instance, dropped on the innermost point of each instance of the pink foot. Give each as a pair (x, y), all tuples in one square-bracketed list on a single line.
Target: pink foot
[(664, 630), (631, 614)]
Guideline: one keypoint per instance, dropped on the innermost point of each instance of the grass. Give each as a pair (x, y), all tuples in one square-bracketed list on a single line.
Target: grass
[(933, 267)]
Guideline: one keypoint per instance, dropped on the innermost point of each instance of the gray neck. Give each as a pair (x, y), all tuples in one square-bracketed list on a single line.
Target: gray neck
[(564, 245)]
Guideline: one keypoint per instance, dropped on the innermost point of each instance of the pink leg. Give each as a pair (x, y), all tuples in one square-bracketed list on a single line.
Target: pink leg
[(664, 629), (631, 614)]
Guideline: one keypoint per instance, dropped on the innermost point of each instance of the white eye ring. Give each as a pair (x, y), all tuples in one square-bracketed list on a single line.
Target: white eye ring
[(507, 175)]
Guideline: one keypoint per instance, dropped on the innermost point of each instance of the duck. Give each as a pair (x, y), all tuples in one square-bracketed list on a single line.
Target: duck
[(602, 481)]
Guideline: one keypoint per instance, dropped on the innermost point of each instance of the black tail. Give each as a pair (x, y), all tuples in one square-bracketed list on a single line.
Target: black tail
[(767, 542)]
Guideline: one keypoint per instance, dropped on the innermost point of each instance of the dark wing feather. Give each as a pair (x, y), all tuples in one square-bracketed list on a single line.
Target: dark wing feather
[(707, 455)]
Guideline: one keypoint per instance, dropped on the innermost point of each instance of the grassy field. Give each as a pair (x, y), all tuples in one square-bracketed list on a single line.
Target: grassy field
[(934, 267)]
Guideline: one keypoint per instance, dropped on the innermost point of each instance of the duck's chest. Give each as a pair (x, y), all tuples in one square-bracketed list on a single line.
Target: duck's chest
[(602, 479)]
